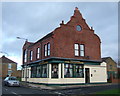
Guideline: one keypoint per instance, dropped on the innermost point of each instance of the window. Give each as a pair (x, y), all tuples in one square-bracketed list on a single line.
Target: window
[(33, 72), (44, 71), (73, 71), (79, 73), (38, 53), (31, 55), (111, 67), (47, 49), (38, 73), (68, 70), (9, 66), (76, 50), (54, 71), (9, 72), (25, 55), (81, 50), (78, 28)]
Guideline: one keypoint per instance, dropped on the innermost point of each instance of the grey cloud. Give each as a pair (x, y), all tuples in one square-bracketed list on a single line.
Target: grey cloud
[(34, 20)]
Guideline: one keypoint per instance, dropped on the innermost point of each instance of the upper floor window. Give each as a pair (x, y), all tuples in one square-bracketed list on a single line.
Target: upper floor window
[(79, 49), (25, 55), (78, 28), (110, 66), (31, 55), (82, 49), (9, 66), (76, 47), (47, 49), (38, 53)]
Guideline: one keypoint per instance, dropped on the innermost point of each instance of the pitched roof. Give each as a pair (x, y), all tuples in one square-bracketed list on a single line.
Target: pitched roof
[(6, 60), (105, 58)]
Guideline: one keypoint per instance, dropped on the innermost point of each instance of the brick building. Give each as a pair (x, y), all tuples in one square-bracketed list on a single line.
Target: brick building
[(112, 70), (8, 67), (71, 54)]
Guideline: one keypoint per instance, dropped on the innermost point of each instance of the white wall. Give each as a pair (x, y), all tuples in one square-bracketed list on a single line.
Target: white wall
[(99, 73)]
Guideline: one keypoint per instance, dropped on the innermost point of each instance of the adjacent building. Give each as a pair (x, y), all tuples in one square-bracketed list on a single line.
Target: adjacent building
[(71, 54), (8, 67), (112, 70)]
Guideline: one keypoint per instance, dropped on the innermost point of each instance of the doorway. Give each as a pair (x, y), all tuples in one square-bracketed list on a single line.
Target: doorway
[(87, 75)]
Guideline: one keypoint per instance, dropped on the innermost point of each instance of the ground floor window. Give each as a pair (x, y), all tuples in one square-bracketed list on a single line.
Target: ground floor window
[(39, 71), (73, 70), (79, 71), (68, 70), (54, 73)]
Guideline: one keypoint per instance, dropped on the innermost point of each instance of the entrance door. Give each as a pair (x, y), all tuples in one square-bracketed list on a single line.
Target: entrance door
[(87, 75)]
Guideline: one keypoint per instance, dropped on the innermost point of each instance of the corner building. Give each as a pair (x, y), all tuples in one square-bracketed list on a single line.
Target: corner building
[(70, 54)]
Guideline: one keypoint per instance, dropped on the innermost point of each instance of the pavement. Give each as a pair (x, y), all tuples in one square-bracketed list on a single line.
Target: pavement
[(45, 87)]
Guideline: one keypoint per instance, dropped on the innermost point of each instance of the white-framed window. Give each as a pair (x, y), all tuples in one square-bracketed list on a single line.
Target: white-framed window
[(76, 47), (79, 49), (31, 55), (25, 55), (82, 50), (48, 49), (38, 53), (9, 66), (45, 49)]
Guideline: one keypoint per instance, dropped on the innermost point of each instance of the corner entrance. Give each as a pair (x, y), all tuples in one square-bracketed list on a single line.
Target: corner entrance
[(87, 75)]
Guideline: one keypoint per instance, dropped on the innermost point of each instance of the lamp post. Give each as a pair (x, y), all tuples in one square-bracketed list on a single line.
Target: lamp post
[(22, 38), (4, 53), (26, 64)]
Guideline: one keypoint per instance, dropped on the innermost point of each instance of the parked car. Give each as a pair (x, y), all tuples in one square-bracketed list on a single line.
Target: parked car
[(11, 81)]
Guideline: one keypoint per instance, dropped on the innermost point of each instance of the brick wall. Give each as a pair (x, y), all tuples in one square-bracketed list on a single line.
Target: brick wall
[(64, 37)]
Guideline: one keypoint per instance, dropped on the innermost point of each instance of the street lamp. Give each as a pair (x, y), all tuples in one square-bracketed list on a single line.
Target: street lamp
[(22, 38), (26, 64), (4, 53)]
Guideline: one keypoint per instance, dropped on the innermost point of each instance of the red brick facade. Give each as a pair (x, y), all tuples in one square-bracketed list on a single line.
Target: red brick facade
[(63, 38)]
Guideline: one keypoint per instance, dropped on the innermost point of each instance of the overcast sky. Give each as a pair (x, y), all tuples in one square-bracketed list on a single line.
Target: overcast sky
[(35, 20)]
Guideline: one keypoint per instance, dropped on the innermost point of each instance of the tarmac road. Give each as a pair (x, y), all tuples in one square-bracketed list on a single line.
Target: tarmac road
[(23, 91)]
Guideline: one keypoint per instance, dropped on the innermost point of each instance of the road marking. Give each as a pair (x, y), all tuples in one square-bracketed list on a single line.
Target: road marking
[(14, 93), (6, 89), (58, 93)]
